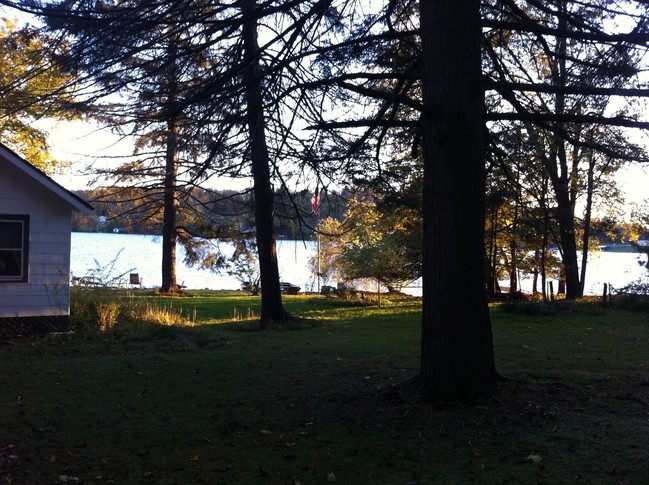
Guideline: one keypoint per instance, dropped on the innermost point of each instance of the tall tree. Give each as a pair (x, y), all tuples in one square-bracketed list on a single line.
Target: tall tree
[(272, 310), (457, 360), (141, 66)]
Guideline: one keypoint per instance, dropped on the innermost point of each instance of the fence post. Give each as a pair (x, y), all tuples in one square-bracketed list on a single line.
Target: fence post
[(551, 290)]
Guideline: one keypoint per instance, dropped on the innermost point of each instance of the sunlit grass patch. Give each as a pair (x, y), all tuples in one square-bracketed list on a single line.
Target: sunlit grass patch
[(101, 311)]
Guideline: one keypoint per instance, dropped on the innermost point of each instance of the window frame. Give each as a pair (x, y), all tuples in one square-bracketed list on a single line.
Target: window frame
[(24, 250)]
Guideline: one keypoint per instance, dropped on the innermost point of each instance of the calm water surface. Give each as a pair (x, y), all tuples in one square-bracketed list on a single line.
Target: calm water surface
[(142, 254)]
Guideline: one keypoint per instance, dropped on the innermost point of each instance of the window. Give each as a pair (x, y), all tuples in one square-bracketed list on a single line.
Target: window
[(14, 245)]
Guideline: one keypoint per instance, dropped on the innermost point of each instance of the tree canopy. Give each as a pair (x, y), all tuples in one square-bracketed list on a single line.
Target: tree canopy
[(34, 90)]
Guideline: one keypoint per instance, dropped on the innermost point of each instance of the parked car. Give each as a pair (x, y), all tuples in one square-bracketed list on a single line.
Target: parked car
[(252, 287), (289, 288), (327, 290)]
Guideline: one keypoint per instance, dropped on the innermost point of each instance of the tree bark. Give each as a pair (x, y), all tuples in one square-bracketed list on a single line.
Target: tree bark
[(561, 178), (272, 310), (457, 360), (513, 246), (585, 241), (170, 204), (169, 234), (490, 265)]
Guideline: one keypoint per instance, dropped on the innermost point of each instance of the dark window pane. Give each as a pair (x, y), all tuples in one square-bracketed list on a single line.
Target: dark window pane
[(14, 247), (11, 234), (10, 263)]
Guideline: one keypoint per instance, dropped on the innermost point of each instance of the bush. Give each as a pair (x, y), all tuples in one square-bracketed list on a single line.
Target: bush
[(638, 287), (634, 303), (520, 307), (633, 297), (589, 306)]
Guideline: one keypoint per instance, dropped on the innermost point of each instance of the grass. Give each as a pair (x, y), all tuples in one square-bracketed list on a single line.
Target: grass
[(218, 402)]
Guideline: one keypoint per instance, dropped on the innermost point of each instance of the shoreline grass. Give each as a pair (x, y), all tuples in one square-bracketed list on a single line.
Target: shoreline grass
[(213, 403)]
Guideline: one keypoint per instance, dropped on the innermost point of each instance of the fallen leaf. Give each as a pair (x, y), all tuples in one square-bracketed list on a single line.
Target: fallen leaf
[(67, 479), (265, 431), (331, 477), (194, 457), (535, 458), (53, 459)]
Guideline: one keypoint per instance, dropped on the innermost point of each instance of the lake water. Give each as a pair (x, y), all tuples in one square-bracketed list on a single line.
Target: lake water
[(142, 254)]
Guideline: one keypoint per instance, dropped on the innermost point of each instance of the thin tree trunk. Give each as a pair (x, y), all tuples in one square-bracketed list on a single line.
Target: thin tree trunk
[(544, 244), (561, 183), (457, 360), (272, 310), (587, 217), (513, 247), (492, 278)]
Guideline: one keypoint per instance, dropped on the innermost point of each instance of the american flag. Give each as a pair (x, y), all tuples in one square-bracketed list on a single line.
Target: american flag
[(315, 202)]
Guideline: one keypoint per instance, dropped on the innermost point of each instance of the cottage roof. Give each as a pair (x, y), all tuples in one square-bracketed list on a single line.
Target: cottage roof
[(41, 178)]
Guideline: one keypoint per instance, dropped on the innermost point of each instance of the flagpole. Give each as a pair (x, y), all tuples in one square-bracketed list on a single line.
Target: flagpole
[(318, 245), (315, 206)]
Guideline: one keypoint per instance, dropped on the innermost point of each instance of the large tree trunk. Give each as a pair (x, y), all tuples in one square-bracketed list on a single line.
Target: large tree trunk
[(170, 210), (272, 310), (457, 361), (566, 221), (169, 234)]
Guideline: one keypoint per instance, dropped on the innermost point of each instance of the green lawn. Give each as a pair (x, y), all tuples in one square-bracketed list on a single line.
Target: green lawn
[(223, 403)]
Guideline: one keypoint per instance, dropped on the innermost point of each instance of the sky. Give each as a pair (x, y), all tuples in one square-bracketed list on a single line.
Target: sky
[(83, 144)]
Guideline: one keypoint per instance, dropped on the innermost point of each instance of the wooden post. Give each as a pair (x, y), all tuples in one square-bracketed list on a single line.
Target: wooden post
[(604, 295), (551, 286)]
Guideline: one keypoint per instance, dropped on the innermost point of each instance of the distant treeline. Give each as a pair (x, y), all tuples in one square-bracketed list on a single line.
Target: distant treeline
[(213, 213)]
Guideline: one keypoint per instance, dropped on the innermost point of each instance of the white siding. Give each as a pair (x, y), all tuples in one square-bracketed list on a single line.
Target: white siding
[(46, 292)]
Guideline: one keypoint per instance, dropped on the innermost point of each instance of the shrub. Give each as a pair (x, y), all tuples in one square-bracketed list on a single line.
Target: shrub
[(107, 312), (633, 297), (588, 306)]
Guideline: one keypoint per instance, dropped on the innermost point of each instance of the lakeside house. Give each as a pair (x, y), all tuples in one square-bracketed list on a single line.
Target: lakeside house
[(35, 227)]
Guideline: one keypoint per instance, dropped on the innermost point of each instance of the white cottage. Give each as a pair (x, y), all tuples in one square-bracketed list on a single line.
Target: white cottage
[(35, 226)]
